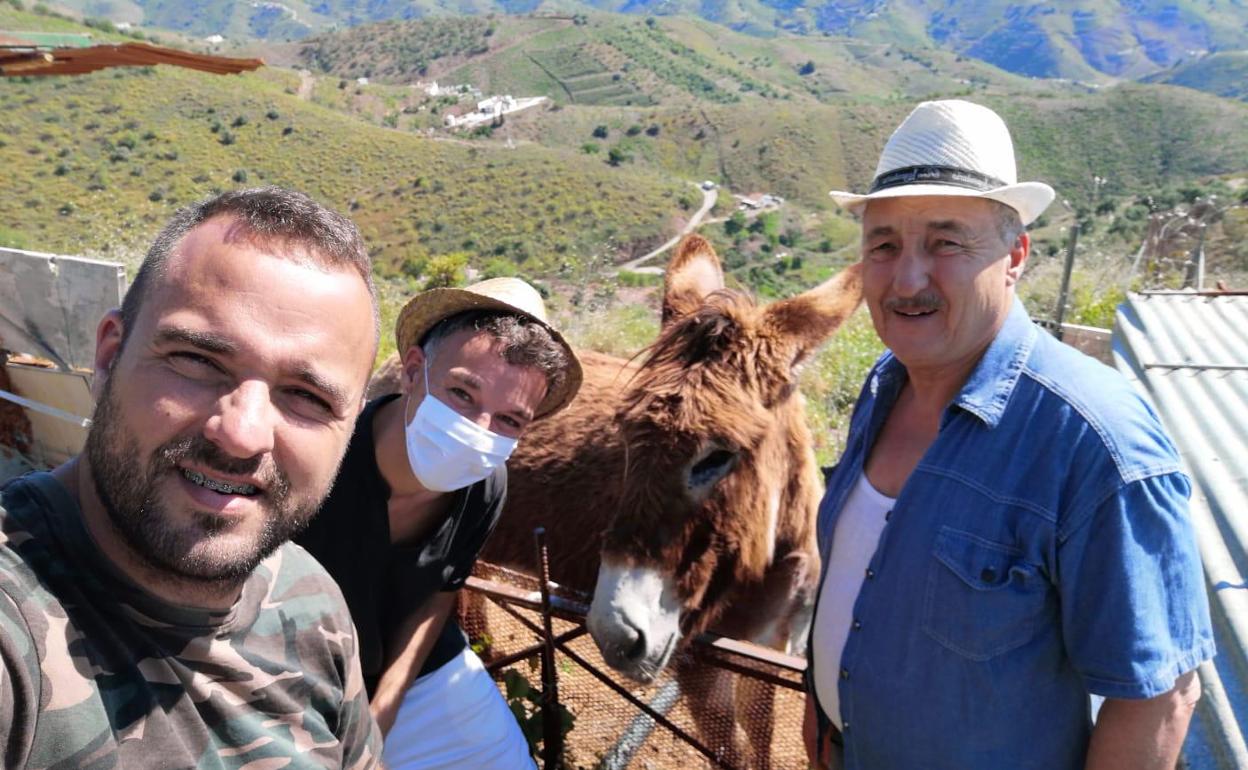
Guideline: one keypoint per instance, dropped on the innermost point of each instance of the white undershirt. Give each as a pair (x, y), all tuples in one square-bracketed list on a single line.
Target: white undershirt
[(854, 541)]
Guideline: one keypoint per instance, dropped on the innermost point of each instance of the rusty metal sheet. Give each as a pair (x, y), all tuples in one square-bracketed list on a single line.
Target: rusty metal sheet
[(55, 438), (50, 304)]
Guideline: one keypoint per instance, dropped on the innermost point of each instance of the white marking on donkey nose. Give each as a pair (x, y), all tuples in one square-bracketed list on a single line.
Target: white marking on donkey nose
[(634, 619)]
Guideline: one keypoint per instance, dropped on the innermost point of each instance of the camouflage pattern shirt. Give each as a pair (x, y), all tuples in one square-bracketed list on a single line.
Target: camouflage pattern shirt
[(97, 673)]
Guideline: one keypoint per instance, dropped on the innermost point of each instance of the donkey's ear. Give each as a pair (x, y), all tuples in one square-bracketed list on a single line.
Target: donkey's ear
[(693, 273), (811, 317)]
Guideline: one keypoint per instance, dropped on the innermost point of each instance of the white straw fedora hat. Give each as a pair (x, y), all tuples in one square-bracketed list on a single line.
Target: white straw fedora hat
[(952, 147), (507, 295)]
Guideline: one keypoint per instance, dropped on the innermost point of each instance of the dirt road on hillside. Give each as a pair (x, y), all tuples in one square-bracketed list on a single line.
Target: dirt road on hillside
[(708, 201)]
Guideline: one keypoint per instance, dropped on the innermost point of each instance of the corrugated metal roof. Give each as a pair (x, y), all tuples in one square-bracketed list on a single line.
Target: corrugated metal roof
[(1188, 352)]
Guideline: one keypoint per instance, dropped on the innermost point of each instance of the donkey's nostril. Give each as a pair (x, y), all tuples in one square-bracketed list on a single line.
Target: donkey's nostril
[(637, 650)]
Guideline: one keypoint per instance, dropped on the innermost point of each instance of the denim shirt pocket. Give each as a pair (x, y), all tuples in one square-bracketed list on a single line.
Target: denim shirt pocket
[(983, 598)]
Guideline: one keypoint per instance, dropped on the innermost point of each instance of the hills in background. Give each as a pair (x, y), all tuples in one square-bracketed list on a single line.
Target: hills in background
[(1224, 73), (792, 115), (639, 108), (94, 164), (1077, 39), (638, 111)]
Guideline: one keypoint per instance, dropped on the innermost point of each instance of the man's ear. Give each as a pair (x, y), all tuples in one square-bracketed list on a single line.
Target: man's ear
[(1018, 258), (108, 338), (413, 379)]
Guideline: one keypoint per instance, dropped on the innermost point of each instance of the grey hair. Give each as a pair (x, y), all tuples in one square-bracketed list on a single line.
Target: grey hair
[(1009, 223), (525, 342), (266, 213)]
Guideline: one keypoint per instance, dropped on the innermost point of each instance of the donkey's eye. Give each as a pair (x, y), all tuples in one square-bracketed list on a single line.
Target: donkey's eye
[(711, 468)]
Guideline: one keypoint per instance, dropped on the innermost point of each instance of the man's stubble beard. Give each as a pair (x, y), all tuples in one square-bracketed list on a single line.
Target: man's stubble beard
[(200, 550)]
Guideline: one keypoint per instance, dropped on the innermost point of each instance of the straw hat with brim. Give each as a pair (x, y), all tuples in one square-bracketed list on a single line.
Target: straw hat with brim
[(955, 148), (507, 295)]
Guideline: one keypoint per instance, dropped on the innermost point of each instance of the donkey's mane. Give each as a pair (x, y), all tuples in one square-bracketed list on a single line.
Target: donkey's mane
[(705, 335), (700, 359)]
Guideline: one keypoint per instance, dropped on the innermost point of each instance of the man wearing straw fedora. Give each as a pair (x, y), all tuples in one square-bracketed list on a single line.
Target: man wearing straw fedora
[(419, 492), (1007, 532)]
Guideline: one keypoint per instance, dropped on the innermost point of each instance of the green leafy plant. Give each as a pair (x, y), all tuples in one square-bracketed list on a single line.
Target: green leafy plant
[(525, 703)]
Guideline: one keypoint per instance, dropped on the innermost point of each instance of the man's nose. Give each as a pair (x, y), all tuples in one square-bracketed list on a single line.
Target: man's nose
[(244, 423), (912, 273)]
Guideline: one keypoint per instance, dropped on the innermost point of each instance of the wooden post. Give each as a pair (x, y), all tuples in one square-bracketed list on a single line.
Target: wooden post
[(1070, 264), (1194, 278)]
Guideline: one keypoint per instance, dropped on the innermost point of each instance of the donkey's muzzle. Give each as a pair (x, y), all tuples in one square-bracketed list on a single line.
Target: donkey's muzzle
[(634, 619)]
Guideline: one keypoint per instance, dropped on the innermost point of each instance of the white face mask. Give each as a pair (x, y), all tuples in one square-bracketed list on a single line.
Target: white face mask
[(446, 450)]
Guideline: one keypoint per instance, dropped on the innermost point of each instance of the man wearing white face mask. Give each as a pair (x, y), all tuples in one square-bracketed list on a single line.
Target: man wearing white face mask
[(419, 491)]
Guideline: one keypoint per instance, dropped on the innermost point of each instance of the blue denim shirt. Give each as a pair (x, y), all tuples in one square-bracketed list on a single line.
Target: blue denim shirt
[(1040, 551)]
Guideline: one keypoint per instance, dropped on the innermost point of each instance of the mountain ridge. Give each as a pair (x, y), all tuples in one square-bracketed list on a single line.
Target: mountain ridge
[(1090, 40)]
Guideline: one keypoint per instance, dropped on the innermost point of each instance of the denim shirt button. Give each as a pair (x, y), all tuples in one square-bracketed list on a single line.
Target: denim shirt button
[(989, 575), (888, 515), (845, 727), (870, 573), (844, 673), (857, 624)]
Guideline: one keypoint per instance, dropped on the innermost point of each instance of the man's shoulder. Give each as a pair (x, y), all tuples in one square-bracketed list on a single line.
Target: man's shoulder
[(44, 668), (495, 485), (20, 508), (354, 509), (1088, 401), (26, 549), (299, 585), (884, 375), (485, 498)]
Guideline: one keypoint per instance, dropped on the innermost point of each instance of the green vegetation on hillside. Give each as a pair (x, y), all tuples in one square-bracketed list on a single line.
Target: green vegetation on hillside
[(17, 17), (97, 163), (585, 79), (1082, 39), (669, 60), (1224, 73), (826, 127), (400, 51), (1089, 40), (1139, 138)]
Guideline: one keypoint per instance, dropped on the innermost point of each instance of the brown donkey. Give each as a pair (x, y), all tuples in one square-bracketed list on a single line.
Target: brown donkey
[(683, 489)]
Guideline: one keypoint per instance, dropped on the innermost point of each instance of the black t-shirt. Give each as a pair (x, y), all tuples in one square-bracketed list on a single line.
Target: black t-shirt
[(383, 583)]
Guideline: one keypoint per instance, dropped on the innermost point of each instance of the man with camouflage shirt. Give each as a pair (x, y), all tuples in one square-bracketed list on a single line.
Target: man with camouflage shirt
[(152, 612)]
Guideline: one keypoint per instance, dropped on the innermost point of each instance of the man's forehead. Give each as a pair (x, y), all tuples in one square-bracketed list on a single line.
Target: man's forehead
[(469, 352), (199, 249), (263, 301), (927, 210), (463, 344)]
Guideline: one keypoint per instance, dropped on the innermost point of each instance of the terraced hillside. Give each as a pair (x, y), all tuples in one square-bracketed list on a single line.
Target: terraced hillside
[(585, 79), (668, 59), (797, 116)]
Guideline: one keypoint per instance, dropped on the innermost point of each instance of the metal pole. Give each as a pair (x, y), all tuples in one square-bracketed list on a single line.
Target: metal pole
[(1200, 262), (51, 411), (552, 721), (1070, 264), (1189, 268)]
